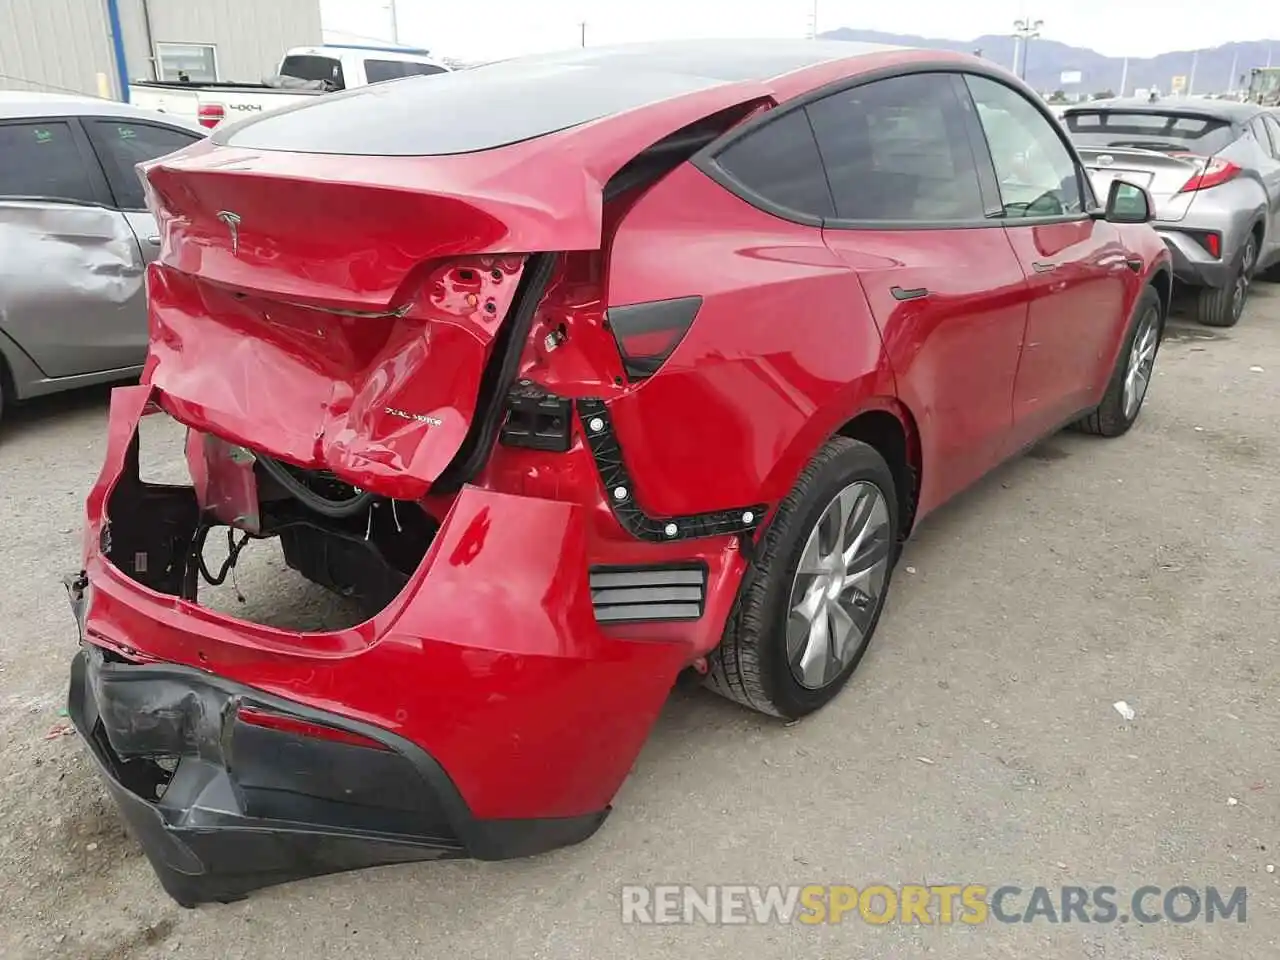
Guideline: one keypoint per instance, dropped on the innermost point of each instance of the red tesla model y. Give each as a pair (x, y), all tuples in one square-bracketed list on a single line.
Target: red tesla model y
[(574, 373)]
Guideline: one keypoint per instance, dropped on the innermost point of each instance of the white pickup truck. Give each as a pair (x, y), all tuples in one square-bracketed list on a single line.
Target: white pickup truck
[(304, 72)]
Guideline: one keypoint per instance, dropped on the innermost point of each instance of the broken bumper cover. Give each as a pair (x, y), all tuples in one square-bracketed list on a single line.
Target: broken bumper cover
[(223, 807), (483, 713)]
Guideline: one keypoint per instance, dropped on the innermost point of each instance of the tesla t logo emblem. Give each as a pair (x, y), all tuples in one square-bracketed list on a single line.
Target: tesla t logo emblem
[(232, 220)]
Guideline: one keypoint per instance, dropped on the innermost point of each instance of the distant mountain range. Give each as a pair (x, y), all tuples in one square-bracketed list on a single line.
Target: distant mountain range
[(1048, 60)]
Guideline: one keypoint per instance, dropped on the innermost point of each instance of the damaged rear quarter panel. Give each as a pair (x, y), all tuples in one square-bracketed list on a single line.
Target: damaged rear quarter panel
[(71, 287)]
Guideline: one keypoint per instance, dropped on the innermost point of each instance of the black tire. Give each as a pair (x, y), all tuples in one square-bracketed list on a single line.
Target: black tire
[(1223, 306), (750, 666), (1109, 419)]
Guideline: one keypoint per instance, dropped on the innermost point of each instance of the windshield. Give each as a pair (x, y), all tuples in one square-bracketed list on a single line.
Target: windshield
[(326, 69), (1265, 82), (1149, 130)]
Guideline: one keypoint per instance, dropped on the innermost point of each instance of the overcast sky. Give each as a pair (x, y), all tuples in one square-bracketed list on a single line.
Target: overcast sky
[(490, 29)]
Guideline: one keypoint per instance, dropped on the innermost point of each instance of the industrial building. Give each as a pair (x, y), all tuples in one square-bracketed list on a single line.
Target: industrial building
[(96, 47)]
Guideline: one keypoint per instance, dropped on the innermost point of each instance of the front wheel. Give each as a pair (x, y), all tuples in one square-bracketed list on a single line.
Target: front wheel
[(811, 600), (1132, 375)]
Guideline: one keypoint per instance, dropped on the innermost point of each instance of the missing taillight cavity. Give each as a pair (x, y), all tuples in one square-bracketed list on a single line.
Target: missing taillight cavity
[(648, 333), (537, 419)]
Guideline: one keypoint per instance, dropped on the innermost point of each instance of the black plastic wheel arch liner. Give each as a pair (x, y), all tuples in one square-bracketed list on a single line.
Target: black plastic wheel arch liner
[(233, 819), (620, 490)]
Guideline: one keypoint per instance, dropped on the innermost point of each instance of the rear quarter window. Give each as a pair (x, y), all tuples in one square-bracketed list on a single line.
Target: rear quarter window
[(779, 164)]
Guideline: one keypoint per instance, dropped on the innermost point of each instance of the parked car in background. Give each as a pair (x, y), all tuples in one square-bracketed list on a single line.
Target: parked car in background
[(75, 239), (652, 366), (304, 72), (1213, 168)]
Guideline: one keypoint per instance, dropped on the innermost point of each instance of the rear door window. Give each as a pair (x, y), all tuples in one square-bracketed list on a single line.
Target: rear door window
[(898, 151), (1037, 172), (122, 145), (42, 159), (779, 164), (308, 67), (376, 71)]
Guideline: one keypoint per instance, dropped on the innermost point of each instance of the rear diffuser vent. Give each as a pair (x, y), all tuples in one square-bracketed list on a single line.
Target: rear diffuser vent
[(635, 594)]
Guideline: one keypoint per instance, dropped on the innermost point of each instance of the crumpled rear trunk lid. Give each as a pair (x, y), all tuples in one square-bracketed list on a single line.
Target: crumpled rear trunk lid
[(359, 314), (337, 323)]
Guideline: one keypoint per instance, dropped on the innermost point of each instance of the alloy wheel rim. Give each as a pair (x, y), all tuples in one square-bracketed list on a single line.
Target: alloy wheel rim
[(838, 585), (1142, 359), (1241, 292)]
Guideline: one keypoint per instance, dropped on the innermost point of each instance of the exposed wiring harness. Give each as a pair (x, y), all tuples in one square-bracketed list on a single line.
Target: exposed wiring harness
[(334, 509), (234, 547)]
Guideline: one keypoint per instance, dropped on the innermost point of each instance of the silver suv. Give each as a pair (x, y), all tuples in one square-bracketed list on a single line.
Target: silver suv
[(1213, 169)]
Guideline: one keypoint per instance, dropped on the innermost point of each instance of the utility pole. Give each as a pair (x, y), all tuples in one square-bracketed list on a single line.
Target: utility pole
[(1191, 80), (582, 29), (1231, 77), (395, 26), (1024, 30), (813, 34), (1124, 77)]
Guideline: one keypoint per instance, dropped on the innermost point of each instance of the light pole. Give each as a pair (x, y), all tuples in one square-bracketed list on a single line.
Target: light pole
[(1024, 31), (395, 26), (583, 32)]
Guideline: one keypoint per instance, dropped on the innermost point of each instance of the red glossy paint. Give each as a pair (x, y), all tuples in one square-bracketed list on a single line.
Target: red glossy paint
[(491, 658), (954, 353), (383, 402), (1078, 284)]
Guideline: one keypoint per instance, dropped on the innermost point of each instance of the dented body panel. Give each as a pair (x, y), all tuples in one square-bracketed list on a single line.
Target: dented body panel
[(71, 287)]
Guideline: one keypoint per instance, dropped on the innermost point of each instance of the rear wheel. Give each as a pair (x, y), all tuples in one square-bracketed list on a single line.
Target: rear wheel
[(811, 600), (1131, 377), (1223, 307)]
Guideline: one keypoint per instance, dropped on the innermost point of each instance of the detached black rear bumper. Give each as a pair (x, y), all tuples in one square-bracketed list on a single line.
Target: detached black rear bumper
[(223, 807)]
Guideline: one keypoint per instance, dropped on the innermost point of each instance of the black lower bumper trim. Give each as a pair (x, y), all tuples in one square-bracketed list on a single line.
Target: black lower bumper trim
[(223, 808)]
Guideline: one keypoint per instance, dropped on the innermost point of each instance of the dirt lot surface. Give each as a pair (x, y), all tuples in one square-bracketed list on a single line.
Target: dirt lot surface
[(977, 743)]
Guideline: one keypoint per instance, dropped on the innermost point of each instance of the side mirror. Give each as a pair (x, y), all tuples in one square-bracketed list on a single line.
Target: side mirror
[(1128, 203)]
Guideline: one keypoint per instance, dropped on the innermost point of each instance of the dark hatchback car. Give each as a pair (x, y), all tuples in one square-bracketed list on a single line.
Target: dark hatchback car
[(577, 372)]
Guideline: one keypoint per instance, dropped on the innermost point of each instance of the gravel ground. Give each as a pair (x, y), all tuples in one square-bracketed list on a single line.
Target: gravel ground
[(977, 743)]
